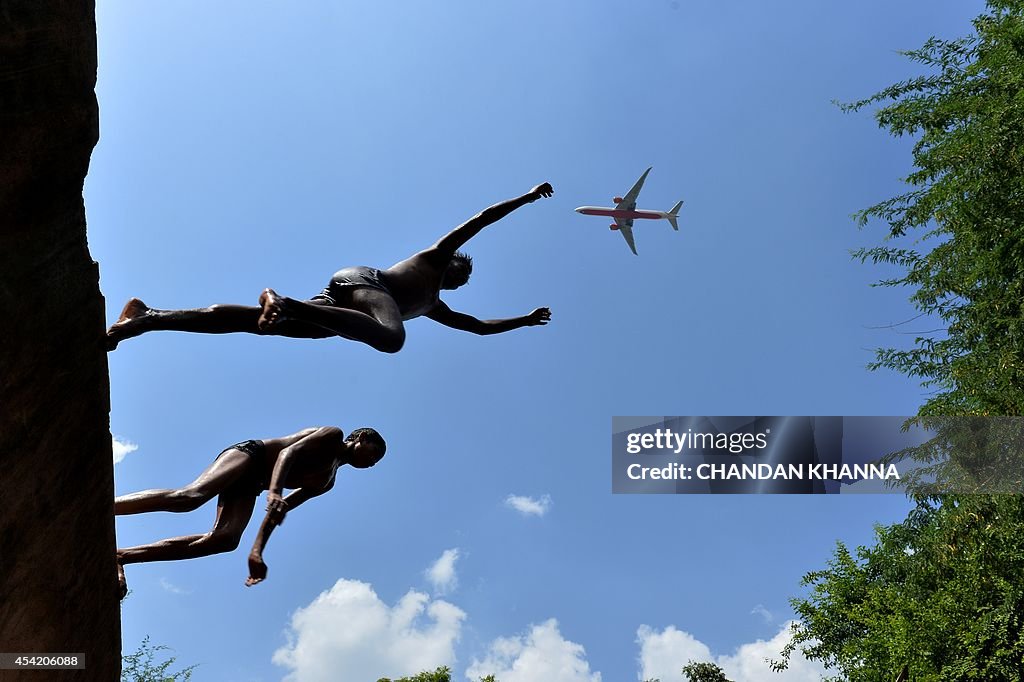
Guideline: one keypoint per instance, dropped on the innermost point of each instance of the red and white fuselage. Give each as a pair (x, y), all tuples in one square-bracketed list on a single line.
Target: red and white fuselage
[(623, 214)]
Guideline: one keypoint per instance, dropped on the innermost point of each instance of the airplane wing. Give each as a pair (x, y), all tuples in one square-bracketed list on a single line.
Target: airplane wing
[(628, 202), (626, 229)]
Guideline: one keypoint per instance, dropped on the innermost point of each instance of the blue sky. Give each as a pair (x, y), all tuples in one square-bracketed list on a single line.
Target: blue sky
[(254, 144)]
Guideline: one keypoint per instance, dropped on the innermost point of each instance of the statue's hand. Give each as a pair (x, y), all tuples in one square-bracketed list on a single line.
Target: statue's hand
[(276, 508), (542, 190), (538, 316), (257, 570)]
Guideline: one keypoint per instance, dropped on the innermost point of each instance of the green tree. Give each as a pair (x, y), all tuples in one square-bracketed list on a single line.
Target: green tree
[(966, 198), (939, 597), (441, 674), (704, 672), (700, 672), (142, 666), (964, 455)]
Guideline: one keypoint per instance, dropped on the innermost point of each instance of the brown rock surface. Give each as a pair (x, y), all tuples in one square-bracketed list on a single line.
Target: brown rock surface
[(58, 592)]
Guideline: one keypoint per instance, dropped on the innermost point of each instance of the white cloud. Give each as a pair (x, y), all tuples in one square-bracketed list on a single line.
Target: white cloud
[(528, 506), (760, 610), (442, 573), (172, 588), (348, 633), (122, 448), (663, 655), (541, 654), (749, 663)]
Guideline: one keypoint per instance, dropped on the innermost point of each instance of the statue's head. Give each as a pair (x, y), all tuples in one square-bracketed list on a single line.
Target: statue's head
[(459, 269), (366, 448)]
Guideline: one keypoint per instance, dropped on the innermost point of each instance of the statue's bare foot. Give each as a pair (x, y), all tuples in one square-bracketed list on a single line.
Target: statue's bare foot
[(275, 309), (122, 583), (130, 323)]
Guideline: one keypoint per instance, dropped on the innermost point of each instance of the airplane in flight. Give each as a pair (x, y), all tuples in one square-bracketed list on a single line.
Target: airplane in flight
[(625, 212)]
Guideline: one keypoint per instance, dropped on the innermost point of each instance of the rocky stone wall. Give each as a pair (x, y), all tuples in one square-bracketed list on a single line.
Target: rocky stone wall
[(58, 591)]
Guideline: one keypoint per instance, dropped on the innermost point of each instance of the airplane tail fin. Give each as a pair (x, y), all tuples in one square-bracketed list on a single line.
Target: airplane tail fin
[(673, 214)]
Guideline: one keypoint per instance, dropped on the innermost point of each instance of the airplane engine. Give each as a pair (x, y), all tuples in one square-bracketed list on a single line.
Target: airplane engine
[(617, 199), (613, 226)]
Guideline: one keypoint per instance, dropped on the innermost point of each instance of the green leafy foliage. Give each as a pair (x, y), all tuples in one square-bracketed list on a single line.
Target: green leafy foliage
[(966, 200), (700, 672), (441, 674), (965, 455), (142, 666), (704, 672), (939, 597)]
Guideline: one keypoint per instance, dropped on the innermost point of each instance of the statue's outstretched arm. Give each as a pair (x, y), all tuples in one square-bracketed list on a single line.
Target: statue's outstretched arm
[(442, 314), (453, 241)]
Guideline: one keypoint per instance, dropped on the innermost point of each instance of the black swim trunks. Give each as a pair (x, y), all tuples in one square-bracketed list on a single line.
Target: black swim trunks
[(253, 479), (358, 276)]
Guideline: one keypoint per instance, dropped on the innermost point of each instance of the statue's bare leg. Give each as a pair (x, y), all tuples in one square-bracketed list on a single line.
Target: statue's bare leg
[(225, 470), (276, 315), (374, 318), (131, 322), (138, 318), (234, 509)]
